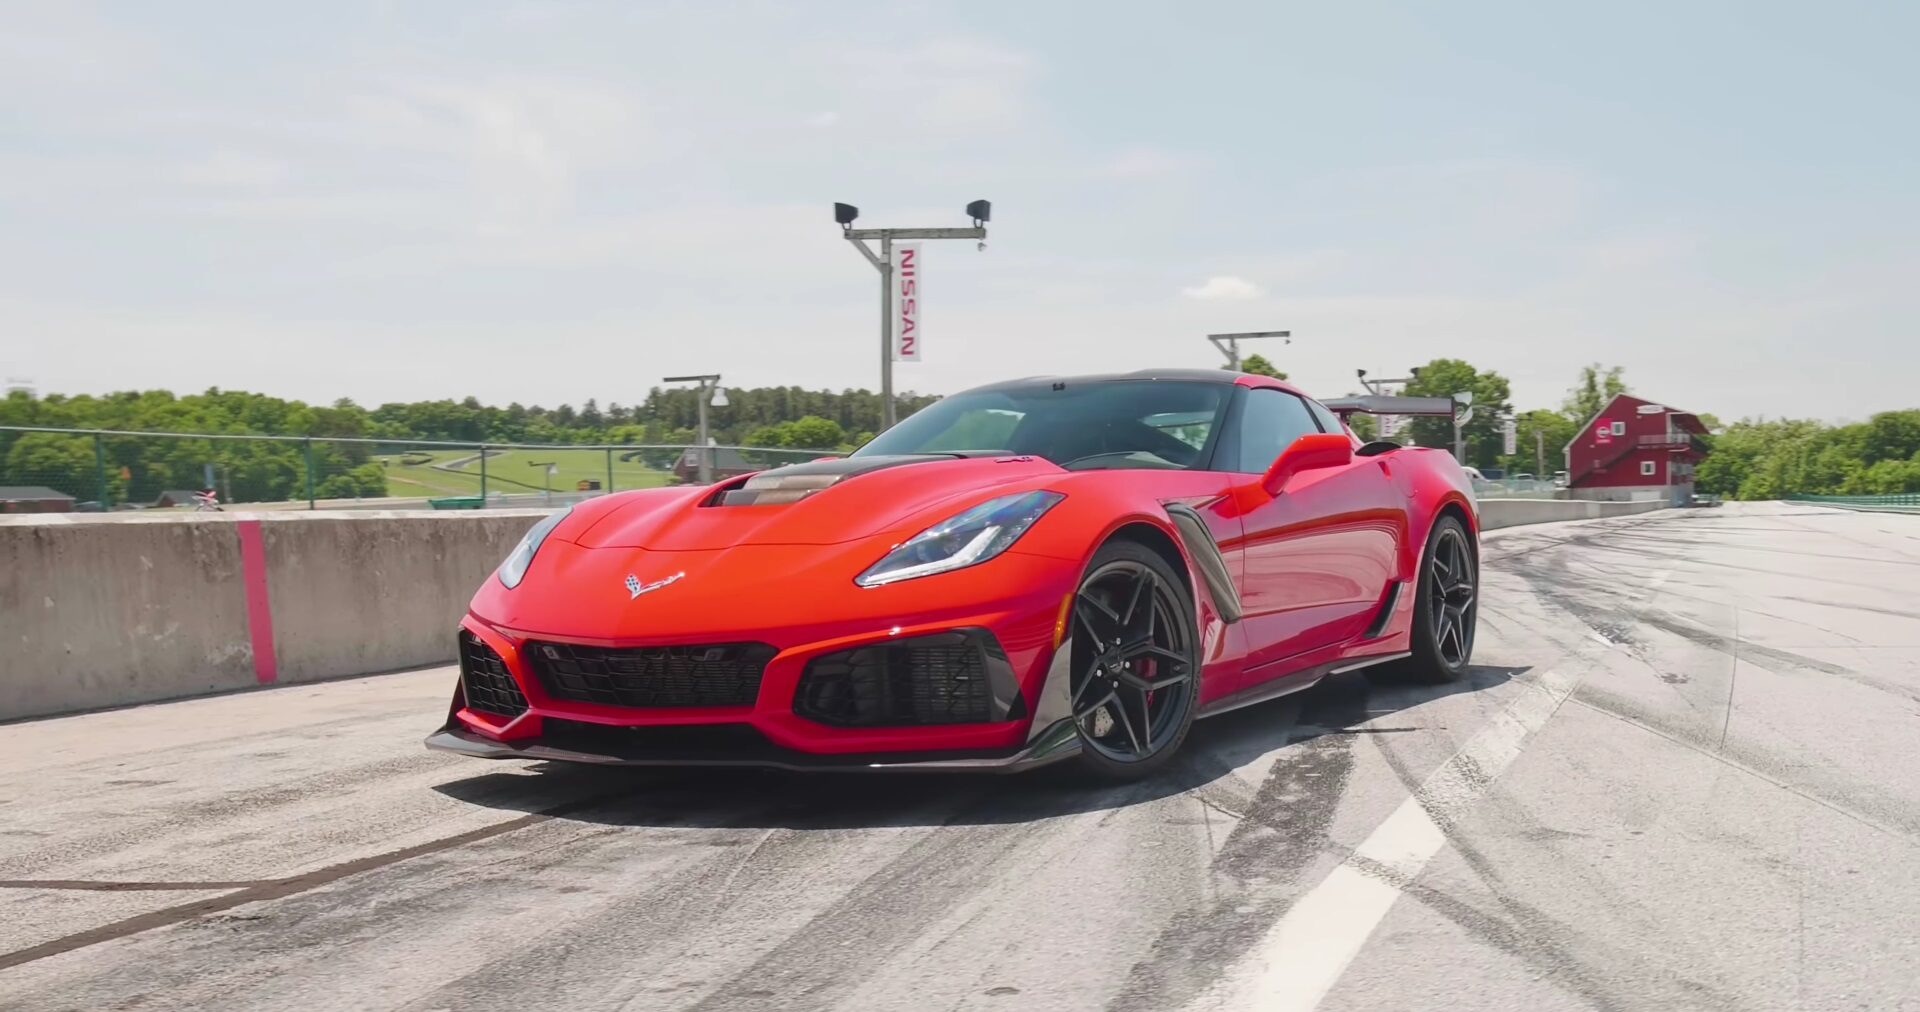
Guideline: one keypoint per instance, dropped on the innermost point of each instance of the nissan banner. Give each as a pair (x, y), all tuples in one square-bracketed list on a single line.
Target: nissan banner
[(906, 302)]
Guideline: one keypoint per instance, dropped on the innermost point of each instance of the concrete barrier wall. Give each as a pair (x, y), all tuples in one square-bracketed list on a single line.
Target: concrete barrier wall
[(114, 609), (1498, 513)]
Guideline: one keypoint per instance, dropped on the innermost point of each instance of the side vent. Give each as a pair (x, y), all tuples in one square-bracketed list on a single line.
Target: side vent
[(1386, 612)]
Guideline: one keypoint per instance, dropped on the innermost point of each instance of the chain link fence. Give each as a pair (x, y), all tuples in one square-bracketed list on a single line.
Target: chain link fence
[(1903, 502), (89, 470)]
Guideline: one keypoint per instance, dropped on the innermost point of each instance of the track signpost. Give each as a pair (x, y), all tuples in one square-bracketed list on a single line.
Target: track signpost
[(902, 284)]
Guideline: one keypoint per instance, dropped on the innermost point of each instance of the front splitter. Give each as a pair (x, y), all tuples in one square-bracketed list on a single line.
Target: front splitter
[(1058, 742)]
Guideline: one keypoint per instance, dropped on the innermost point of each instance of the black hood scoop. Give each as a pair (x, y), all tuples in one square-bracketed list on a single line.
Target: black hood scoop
[(795, 482)]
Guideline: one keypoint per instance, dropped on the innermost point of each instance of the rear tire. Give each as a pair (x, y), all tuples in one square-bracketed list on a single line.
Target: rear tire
[(1136, 681), (1445, 606)]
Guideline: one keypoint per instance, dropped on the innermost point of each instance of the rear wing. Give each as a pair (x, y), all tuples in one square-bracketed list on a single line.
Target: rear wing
[(1381, 405)]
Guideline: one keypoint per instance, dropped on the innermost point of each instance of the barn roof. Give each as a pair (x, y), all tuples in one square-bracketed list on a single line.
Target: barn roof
[(34, 493)]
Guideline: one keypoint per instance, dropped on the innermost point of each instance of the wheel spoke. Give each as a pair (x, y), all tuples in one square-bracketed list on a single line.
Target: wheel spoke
[(1141, 586), (1087, 623), (1164, 653), (1110, 697), (1074, 703), (1106, 610), (1120, 714), (1145, 684)]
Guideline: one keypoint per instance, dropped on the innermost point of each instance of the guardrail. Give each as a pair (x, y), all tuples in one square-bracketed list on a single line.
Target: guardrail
[(89, 470), (1905, 502)]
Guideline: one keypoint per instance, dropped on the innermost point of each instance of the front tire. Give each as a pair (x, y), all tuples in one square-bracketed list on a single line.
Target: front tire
[(1446, 605), (1136, 677)]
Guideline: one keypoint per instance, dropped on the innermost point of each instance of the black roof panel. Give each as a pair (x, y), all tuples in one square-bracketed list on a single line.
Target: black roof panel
[(1221, 376)]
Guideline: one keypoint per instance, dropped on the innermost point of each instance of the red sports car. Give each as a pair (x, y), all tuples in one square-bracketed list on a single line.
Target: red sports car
[(1047, 569)]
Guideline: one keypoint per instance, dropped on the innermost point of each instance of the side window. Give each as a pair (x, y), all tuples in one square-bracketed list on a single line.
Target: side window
[(1328, 423), (1619, 428), (1270, 420)]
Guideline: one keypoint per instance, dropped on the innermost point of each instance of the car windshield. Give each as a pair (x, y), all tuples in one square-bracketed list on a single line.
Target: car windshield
[(1080, 426)]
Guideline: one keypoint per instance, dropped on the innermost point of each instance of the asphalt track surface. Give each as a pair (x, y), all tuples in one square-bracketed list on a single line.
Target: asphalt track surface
[(1684, 774)]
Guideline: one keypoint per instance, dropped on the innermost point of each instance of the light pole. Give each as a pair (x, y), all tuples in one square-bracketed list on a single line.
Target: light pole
[(981, 211), (711, 392), (1460, 420), (550, 466), (1229, 344)]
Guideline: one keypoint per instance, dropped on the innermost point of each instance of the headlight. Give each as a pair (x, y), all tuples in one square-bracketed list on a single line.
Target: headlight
[(514, 569), (966, 540)]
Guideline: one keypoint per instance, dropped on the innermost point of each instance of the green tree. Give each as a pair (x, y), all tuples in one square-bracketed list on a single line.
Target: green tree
[(1258, 365), (1364, 425), (1597, 386), (1446, 377), (62, 463), (814, 433), (1538, 430)]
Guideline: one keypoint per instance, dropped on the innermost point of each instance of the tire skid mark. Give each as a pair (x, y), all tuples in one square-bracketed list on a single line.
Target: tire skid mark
[(1854, 803), (1555, 948), (1280, 834), (1555, 587), (843, 946), (681, 909), (342, 781), (87, 885), (276, 889)]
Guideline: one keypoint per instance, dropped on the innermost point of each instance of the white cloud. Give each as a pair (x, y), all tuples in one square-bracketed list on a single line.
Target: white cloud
[(823, 119), (1223, 288)]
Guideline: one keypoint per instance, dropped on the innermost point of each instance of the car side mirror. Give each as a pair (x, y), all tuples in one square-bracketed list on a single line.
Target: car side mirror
[(1308, 453)]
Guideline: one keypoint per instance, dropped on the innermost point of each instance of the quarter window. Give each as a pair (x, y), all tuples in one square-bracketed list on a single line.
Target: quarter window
[(1648, 468), (1270, 420), (1619, 428)]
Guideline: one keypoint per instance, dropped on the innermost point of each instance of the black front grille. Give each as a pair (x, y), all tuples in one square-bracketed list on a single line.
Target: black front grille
[(484, 678), (726, 674), (949, 678)]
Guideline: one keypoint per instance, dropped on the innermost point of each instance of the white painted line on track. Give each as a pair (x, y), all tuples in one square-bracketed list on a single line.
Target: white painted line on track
[(1306, 953)]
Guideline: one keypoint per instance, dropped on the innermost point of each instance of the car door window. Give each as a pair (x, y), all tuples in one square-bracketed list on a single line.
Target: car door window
[(1270, 420), (1328, 423)]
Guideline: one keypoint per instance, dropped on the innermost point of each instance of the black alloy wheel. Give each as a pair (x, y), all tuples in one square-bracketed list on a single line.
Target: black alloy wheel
[(1450, 600), (1135, 676), (1446, 605)]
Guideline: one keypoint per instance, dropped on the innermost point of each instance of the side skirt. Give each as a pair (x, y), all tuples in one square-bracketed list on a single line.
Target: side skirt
[(1291, 684)]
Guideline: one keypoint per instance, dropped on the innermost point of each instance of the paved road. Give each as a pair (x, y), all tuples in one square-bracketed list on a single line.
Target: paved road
[(1682, 776)]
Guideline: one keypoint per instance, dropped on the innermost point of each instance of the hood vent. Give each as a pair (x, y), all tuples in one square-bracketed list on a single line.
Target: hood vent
[(795, 482)]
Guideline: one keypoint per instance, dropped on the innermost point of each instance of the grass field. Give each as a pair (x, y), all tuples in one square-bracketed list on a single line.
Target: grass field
[(457, 472)]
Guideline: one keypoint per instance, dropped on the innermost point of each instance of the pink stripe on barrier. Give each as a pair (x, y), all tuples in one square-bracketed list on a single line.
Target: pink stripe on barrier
[(253, 567)]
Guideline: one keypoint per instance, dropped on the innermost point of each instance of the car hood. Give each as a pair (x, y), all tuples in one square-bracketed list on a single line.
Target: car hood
[(821, 503)]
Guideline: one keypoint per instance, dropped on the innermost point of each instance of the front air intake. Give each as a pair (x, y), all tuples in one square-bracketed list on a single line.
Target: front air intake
[(950, 678), (725, 674), (484, 679)]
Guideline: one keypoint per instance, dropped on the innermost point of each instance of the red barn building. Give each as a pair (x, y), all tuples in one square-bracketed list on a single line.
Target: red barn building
[(1636, 449)]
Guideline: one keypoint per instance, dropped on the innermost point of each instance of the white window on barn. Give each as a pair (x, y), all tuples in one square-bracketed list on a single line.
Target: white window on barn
[(1648, 467), (1619, 428)]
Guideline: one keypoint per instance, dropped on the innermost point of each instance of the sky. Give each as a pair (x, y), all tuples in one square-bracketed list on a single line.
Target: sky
[(551, 202)]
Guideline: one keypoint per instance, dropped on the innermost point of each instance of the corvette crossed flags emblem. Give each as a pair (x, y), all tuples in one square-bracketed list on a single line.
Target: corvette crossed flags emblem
[(635, 588)]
